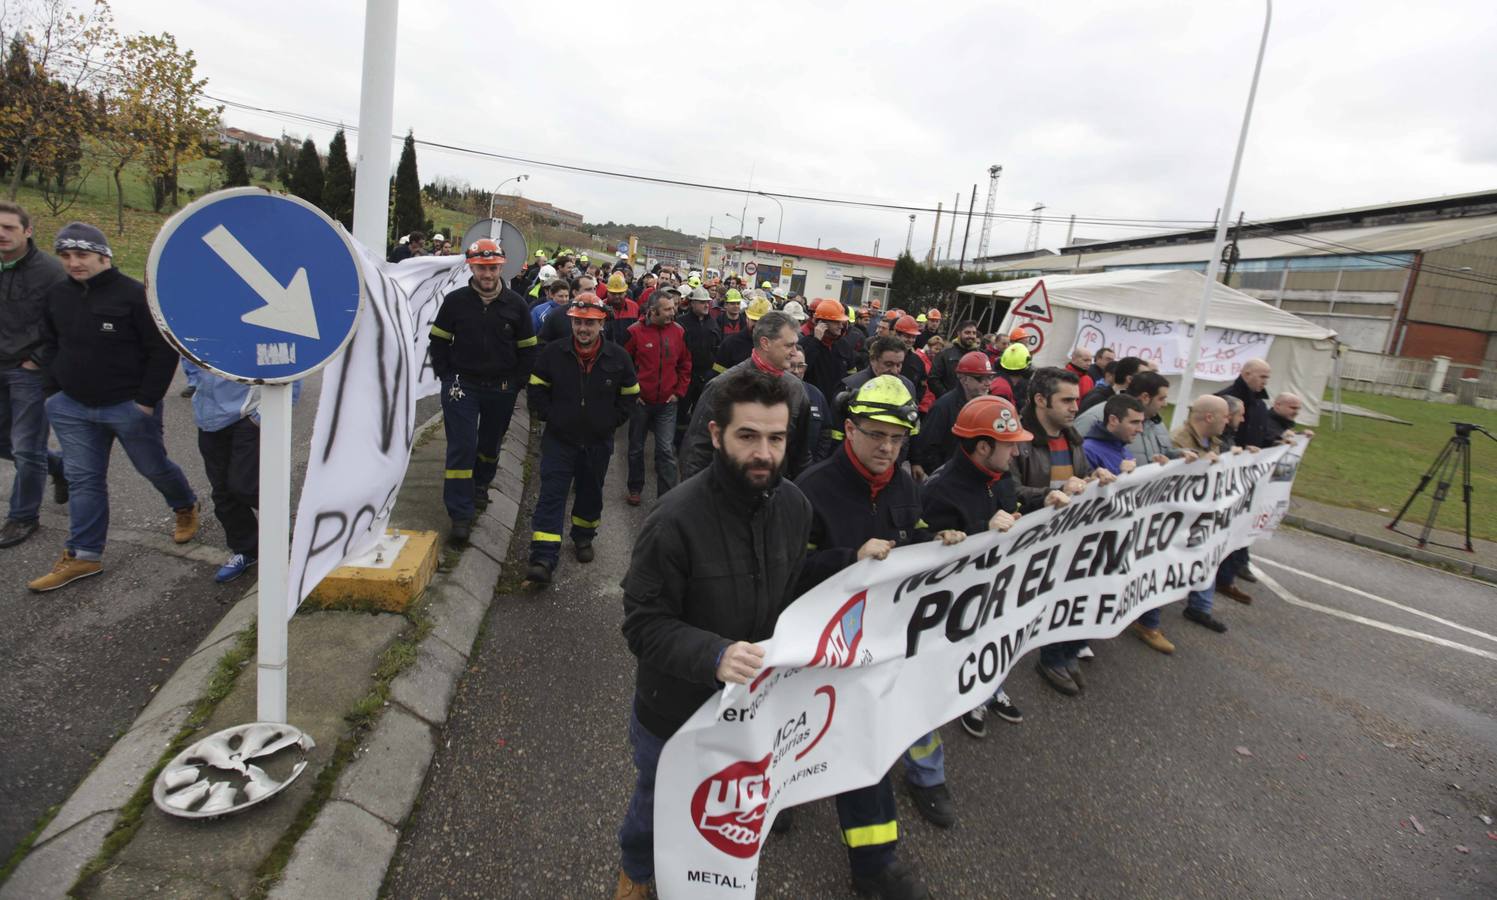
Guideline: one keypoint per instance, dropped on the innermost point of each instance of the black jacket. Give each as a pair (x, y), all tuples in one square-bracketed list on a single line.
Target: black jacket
[(715, 563), (703, 337), (491, 341), (735, 348), (935, 442), (695, 453), (1278, 426), (23, 288), (962, 497), (1256, 430), (914, 372), (943, 368), (578, 407), (1031, 465), (100, 344), (845, 515), (826, 366), (1100, 393)]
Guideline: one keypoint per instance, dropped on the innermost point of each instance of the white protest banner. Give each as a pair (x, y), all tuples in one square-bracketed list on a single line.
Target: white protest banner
[(1223, 350), (887, 650), (366, 417)]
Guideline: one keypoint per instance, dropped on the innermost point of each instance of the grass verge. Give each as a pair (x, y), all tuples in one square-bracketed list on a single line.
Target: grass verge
[(1374, 466)]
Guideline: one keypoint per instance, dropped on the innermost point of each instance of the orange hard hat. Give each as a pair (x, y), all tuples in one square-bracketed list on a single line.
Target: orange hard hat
[(1018, 334), (934, 315), (874, 304), (975, 362), (830, 311), (892, 315), (813, 304), (588, 306), (908, 325), (990, 417), (485, 252)]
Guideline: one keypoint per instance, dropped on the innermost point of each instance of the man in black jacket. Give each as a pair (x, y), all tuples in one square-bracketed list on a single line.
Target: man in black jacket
[(1118, 376), (583, 389), (1251, 387), (943, 367), (26, 274), (100, 345), (973, 492), (774, 338), (934, 443), (703, 337), (714, 565), (482, 349), (863, 506)]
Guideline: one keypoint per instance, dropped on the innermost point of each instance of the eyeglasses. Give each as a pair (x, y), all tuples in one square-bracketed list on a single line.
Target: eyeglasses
[(882, 439)]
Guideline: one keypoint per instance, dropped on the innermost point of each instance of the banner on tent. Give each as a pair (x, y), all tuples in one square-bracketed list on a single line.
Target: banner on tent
[(1223, 350), (366, 417), (887, 650)]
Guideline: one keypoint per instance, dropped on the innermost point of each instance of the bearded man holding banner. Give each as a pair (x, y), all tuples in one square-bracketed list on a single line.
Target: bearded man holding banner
[(714, 565), (1054, 461), (865, 505)]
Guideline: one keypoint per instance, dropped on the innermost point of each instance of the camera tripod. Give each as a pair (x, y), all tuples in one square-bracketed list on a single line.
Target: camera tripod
[(1456, 455)]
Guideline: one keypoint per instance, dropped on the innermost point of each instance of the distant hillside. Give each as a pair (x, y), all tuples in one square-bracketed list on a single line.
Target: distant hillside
[(653, 235)]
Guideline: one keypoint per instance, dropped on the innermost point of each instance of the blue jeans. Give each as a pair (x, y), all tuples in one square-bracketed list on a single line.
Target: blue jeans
[(658, 419), (925, 761), (475, 426), (1201, 600), (23, 441), (1150, 619), (1061, 655), (637, 834), (87, 434)]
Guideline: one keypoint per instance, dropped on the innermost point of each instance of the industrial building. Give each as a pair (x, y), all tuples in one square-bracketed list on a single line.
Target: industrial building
[(1416, 279), (853, 278)]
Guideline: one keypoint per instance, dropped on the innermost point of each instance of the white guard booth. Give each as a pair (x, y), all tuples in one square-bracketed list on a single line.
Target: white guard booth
[(1151, 313)]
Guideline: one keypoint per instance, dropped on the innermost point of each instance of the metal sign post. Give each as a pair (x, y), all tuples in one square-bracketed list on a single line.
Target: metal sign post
[(263, 289)]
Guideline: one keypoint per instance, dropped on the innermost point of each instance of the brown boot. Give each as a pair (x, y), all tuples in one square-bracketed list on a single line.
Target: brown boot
[(628, 889), (1235, 592), (68, 569), (1153, 637), (187, 524)]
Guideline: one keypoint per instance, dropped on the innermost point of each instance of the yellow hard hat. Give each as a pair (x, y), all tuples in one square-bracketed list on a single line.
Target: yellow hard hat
[(757, 308), (920, 318), (1015, 358), (617, 284), (732, 296), (886, 399)]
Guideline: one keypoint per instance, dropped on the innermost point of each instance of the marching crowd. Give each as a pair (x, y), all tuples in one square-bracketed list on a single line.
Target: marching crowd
[(790, 440)]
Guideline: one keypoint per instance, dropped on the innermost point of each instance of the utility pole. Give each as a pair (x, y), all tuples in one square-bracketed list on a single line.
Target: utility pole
[(956, 207), (910, 238), (1230, 256), (1033, 241), (930, 258), (1070, 230), (987, 213), (961, 264), (875, 245)]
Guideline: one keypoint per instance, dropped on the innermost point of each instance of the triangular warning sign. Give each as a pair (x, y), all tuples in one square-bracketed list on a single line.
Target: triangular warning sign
[(1036, 304)]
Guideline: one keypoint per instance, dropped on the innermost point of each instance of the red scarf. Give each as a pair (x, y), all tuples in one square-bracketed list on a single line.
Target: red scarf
[(587, 356), (993, 477), (764, 365), (876, 483)]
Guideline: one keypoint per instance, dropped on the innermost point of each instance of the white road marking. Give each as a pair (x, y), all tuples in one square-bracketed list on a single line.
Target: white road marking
[(1383, 600), (1289, 598)]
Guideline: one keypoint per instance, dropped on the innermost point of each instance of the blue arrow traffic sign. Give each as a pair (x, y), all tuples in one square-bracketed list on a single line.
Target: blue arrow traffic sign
[(255, 286)]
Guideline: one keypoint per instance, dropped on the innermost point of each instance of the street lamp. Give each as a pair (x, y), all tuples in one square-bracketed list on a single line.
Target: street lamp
[(495, 194), (781, 226), (741, 230)]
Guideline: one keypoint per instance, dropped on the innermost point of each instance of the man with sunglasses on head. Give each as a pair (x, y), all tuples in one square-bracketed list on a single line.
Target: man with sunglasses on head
[(483, 346)]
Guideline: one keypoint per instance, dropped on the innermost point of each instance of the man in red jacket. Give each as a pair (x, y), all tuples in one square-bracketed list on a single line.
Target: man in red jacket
[(663, 364), (1081, 363)]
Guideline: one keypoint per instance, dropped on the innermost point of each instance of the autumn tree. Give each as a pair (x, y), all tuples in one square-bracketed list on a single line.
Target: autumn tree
[(175, 125), (235, 169), (337, 187), (55, 55), (409, 216)]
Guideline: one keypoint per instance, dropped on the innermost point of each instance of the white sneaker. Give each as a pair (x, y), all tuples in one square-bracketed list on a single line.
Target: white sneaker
[(1086, 653)]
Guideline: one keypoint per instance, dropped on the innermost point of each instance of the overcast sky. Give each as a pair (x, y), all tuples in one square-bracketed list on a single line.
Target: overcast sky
[(1102, 109)]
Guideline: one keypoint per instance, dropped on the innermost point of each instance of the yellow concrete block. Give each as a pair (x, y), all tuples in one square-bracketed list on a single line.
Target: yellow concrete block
[(386, 590)]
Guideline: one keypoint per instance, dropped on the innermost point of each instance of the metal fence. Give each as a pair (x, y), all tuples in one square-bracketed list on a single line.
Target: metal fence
[(1419, 379)]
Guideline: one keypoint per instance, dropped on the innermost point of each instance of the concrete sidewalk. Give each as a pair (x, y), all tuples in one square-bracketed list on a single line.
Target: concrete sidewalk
[(1369, 529), (371, 689)]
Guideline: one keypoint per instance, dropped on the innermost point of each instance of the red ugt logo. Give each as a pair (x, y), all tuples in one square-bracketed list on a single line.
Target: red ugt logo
[(728, 808)]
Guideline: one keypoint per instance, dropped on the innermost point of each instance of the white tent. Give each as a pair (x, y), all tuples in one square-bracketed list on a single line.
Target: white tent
[(1150, 313)]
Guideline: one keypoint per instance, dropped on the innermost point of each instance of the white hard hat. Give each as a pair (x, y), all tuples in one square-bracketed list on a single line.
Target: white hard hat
[(548, 272), (438, 237), (795, 311)]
